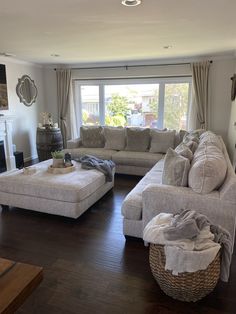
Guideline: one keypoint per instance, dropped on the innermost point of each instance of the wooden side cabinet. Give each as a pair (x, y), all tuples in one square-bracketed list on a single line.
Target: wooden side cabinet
[(48, 140)]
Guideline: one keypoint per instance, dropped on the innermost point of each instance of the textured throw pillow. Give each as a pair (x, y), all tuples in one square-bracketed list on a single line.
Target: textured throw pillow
[(161, 141), (137, 139), (190, 137), (176, 168), (183, 150), (208, 169), (114, 138), (92, 136), (211, 139)]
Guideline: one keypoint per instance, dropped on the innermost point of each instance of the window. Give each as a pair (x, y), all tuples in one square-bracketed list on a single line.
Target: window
[(134, 102)]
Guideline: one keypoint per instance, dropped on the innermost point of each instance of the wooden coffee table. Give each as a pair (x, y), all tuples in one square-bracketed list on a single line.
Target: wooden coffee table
[(17, 281)]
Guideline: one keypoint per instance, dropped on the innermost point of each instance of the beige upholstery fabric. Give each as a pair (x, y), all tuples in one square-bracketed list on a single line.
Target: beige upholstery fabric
[(161, 141), (176, 168), (97, 152), (92, 136), (211, 139), (114, 138), (183, 150), (138, 139), (141, 159), (71, 187), (132, 205), (191, 137), (208, 169)]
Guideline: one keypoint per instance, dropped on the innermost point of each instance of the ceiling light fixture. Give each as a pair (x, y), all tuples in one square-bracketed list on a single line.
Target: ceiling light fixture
[(131, 3)]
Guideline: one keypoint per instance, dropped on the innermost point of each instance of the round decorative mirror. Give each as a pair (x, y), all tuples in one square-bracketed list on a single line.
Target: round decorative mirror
[(26, 90)]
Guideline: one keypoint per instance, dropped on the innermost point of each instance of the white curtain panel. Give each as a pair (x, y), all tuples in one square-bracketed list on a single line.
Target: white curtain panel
[(63, 99), (199, 105), (72, 116)]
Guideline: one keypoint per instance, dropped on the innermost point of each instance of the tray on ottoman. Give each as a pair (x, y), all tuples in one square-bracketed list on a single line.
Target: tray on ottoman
[(68, 194)]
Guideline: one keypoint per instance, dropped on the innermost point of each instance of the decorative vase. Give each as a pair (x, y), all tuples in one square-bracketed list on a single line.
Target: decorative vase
[(58, 163)]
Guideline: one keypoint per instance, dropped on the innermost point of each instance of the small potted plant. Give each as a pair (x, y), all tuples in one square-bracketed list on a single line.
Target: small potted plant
[(58, 159)]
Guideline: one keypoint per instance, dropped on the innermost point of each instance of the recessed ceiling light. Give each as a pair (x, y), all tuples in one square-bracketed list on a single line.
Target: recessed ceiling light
[(167, 47), (55, 55), (131, 3), (7, 54)]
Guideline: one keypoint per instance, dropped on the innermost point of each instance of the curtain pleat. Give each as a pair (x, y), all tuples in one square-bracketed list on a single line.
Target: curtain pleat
[(63, 99), (200, 74)]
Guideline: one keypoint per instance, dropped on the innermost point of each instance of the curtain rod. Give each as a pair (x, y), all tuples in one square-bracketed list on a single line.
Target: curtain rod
[(131, 66)]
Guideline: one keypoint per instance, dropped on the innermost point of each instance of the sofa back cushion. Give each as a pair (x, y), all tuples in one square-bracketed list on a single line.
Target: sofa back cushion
[(92, 136), (176, 168), (137, 139), (161, 141), (114, 138), (211, 139), (208, 169)]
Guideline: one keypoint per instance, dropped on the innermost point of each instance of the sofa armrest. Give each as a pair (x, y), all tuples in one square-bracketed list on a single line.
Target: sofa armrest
[(159, 198), (74, 143)]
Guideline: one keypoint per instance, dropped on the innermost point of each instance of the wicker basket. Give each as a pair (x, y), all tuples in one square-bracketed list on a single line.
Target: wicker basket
[(186, 286)]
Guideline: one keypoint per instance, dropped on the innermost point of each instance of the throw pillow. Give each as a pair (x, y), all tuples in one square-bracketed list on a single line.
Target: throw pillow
[(161, 141), (183, 150), (137, 139), (175, 170), (92, 136), (208, 169), (114, 138), (191, 137)]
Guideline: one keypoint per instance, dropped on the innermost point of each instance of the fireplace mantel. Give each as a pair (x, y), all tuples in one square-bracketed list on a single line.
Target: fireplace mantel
[(6, 136)]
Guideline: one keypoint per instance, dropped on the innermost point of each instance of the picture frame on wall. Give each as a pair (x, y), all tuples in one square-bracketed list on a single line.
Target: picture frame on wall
[(3, 88)]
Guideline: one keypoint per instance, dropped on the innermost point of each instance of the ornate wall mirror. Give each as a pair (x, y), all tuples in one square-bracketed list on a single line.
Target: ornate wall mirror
[(26, 90)]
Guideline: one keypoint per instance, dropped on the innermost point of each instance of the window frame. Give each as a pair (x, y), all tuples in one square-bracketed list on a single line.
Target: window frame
[(77, 83)]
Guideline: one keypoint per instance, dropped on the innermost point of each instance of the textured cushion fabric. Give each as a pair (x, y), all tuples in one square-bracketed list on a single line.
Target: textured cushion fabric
[(70, 187), (211, 139), (191, 137), (97, 152), (114, 138), (208, 169), (92, 136), (161, 141), (138, 139), (132, 205), (176, 168), (141, 159), (183, 150)]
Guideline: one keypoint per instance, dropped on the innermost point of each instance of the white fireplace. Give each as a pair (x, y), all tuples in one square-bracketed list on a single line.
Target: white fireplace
[(6, 136)]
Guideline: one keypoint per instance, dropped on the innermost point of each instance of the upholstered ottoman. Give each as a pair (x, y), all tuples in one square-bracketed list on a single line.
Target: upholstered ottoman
[(68, 194)]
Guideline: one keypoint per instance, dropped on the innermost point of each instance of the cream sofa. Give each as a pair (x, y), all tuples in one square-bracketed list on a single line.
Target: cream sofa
[(150, 197), (130, 149)]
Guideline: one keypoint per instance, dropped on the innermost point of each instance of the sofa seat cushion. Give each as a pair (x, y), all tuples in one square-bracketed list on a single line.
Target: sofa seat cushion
[(140, 159), (70, 187), (208, 169), (97, 152), (132, 205)]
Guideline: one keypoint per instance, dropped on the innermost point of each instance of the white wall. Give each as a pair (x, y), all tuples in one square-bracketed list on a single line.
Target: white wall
[(232, 130), (220, 95), (26, 118)]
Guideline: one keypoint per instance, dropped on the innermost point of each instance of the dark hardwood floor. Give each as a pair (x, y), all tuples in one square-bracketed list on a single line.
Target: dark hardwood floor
[(89, 267)]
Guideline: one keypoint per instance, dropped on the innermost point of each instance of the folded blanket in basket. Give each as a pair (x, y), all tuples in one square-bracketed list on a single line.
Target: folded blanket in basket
[(92, 162)]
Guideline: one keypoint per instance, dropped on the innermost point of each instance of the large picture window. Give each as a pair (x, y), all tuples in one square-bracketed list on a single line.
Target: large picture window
[(161, 103)]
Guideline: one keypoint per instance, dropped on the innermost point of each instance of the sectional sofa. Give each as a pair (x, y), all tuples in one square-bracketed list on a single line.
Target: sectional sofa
[(138, 151), (134, 150)]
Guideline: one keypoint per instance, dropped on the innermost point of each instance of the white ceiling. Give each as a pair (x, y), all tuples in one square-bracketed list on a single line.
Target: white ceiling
[(88, 31)]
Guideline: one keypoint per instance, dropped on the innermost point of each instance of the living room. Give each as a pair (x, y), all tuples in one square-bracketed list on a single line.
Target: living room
[(88, 265)]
